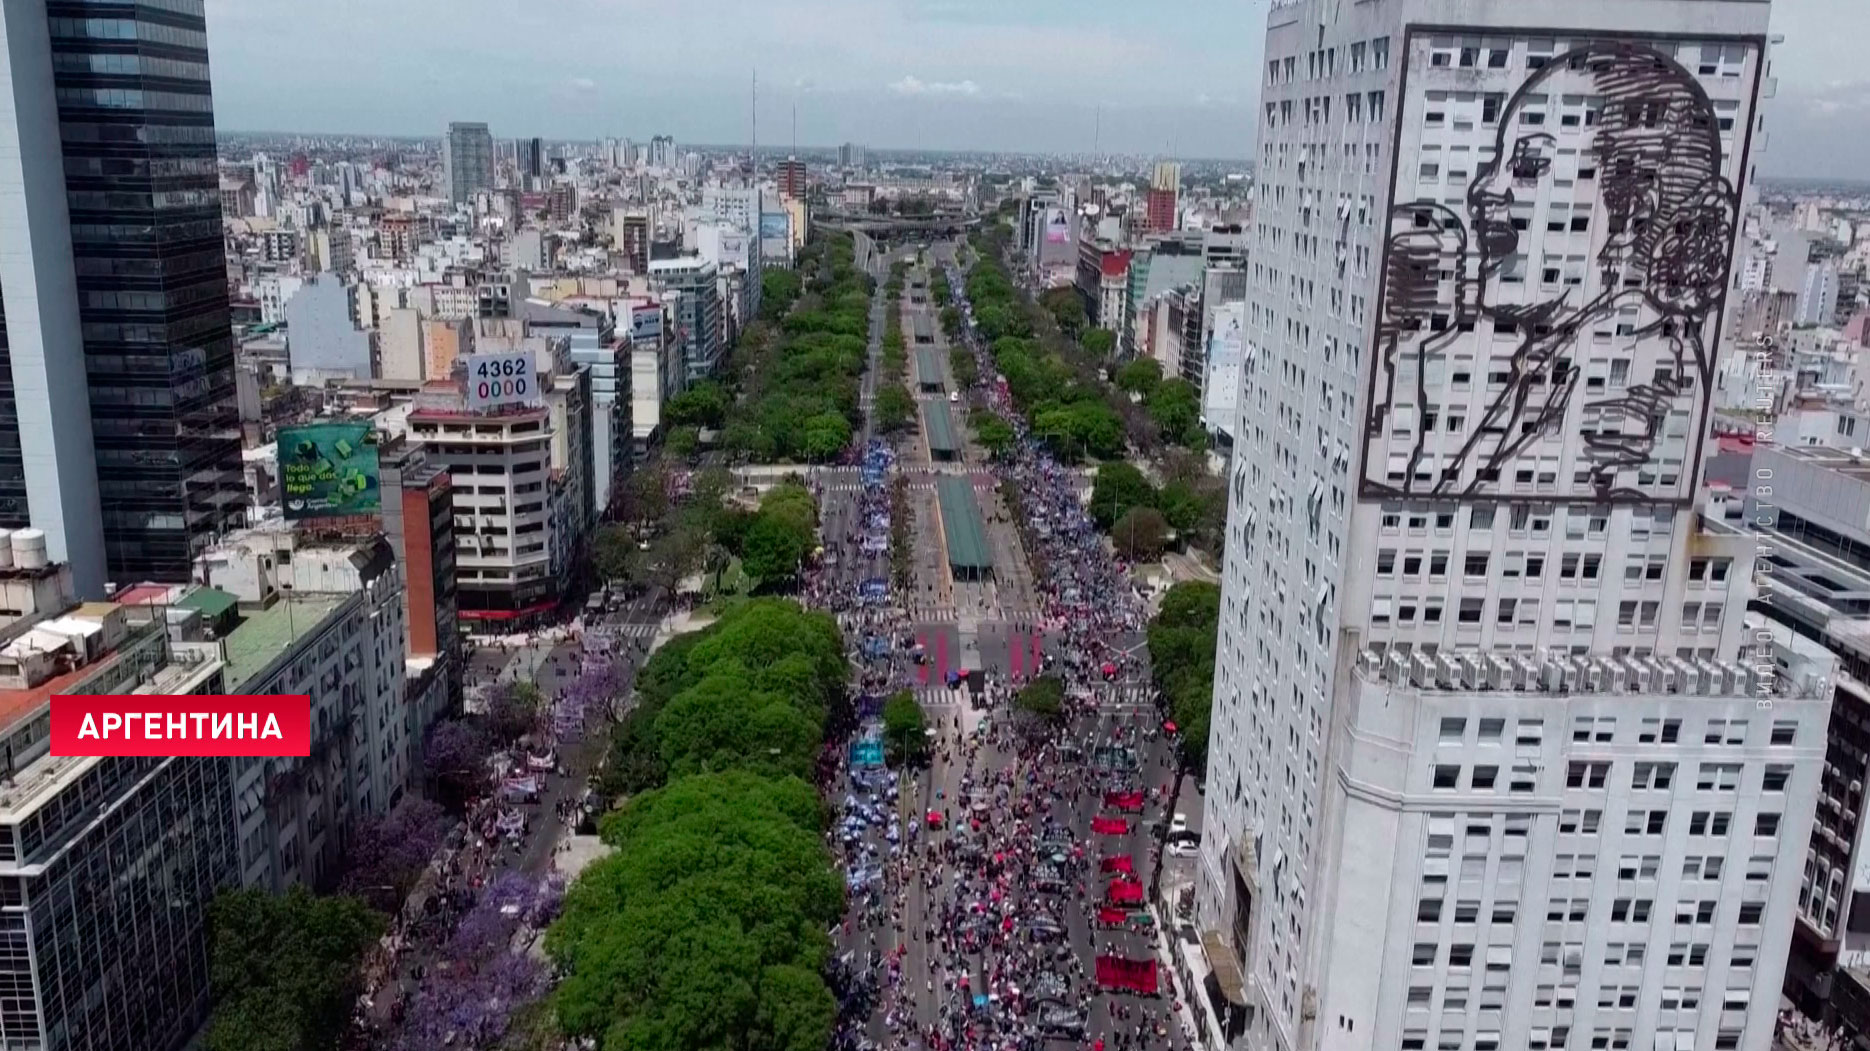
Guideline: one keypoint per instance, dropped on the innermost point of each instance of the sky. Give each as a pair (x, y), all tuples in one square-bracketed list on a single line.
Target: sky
[(1173, 78)]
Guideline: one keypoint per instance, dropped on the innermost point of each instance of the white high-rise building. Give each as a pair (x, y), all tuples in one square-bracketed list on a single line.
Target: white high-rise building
[(1497, 762)]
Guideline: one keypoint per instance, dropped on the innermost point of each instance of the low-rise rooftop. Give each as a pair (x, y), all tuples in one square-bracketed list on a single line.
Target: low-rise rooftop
[(265, 634)]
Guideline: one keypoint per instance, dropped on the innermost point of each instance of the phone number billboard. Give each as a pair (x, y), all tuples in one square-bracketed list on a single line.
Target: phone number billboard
[(501, 378), (329, 470)]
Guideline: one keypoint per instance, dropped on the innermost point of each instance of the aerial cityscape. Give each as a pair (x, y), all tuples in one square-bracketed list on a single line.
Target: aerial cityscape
[(933, 526)]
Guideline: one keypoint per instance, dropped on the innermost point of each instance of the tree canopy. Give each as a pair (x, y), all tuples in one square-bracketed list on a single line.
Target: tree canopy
[(1141, 534), (798, 380), (284, 968), (1141, 376), (905, 728), (1118, 488), (1182, 640), (1042, 698)]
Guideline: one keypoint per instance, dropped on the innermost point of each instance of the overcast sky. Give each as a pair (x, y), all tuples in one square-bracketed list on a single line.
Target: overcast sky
[(1175, 77)]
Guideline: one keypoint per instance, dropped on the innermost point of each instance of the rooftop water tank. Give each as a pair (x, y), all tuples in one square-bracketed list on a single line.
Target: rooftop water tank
[(29, 548)]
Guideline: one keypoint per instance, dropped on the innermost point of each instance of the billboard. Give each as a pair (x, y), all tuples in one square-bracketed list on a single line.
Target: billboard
[(775, 225), (1226, 347), (504, 377), (329, 470), (645, 323), (1057, 226)]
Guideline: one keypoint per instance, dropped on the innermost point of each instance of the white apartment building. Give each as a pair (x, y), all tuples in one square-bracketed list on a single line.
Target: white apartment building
[(523, 491), (323, 618), (1492, 763)]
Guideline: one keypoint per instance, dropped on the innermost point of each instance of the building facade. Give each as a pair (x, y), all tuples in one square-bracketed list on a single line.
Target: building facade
[(467, 161), (1489, 765), (117, 412), (110, 863), (697, 311)]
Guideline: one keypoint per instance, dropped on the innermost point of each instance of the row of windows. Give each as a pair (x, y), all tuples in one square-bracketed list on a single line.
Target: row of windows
[(126, 29), (118, 64), (136, 98), (1573, 565)]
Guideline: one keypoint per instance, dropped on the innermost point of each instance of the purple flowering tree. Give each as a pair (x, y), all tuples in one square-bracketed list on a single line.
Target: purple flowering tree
[(474, 995), (455, 756), (389, 853)]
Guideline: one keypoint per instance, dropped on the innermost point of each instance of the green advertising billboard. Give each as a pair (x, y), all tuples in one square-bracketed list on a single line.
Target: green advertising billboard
[(329, 470)]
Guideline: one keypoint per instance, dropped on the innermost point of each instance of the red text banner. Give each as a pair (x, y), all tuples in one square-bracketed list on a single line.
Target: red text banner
[(182, 724)]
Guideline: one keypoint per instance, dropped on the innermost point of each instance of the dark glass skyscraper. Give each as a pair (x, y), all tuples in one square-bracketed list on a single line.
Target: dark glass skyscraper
[(136, 130)]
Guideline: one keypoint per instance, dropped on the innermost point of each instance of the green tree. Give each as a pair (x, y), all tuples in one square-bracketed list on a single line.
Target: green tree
[(1119, 486), (1067, 308), (1042, 698), (682, 441), (706, 926), (825, 436), (905, 728), (1141, 534), (774, 548), (645, 495), (993, 432), (894, 409), (724, 722), (1099, 342), (1141, 376), (1176, 407), (284, 968), (965, 367), (613, 553), (951, 321), (702, 405)]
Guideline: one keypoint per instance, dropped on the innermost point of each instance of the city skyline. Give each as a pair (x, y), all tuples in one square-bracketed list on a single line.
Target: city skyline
[(922, 74)]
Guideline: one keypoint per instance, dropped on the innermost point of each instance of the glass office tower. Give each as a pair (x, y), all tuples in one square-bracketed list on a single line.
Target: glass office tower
[(136, 122)]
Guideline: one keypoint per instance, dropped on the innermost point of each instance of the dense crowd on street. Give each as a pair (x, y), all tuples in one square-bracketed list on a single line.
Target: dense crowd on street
[(959, 934), (530, 792)]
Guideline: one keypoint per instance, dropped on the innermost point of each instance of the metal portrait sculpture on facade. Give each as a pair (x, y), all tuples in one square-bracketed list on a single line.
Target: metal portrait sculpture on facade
[(1667, 215)]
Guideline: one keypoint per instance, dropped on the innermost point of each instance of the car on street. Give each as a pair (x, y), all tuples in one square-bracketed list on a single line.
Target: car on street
[(1178, 824), (1186, 847)]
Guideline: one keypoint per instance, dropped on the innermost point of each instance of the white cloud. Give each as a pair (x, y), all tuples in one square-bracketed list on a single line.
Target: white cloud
[(912, 86), (583, 84)]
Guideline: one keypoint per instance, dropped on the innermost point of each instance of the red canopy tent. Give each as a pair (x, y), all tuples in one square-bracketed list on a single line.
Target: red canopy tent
[(1112, 917), (1119, 863), (1117, 972), (1131, 802), (1109, 826), (1126, 892)]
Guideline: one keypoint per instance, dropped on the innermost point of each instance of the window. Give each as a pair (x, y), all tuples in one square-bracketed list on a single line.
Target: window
[(1784, 730), (1491, 730), (1775, 778), (1485, 776), (1766, 824), (1447, 776), (1428, 910), (1453, 729)]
